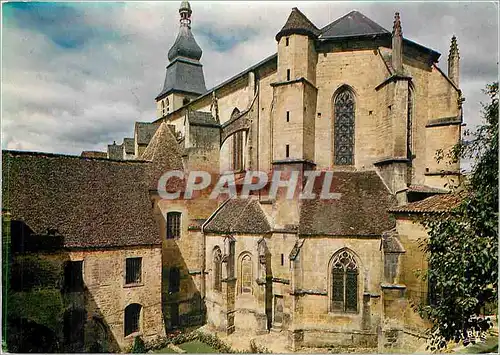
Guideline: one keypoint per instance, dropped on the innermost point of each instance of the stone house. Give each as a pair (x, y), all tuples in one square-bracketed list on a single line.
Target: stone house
[(350, 98)]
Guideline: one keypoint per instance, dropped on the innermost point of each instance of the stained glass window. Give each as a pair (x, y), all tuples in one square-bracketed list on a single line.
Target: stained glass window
[(217, 270), (344, 294), (344, 128), (409, 125)]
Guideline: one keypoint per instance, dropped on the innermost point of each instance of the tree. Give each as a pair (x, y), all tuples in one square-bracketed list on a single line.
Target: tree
[(462, 248)]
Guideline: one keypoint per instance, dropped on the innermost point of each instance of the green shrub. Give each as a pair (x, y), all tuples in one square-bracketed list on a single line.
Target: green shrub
[(139, 347)]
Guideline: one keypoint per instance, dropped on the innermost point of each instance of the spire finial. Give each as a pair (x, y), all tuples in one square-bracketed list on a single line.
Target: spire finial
[(453, 47), (396, 29), (185, 12)]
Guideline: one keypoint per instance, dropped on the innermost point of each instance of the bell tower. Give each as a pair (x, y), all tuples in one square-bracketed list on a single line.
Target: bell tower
[(184, 79)]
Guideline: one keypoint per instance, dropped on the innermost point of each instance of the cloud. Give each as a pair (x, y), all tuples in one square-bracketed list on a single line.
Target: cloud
[(76, 76)]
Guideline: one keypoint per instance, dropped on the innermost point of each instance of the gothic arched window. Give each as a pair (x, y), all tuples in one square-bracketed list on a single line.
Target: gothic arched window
[(163, 108), (168, 105), (409, 125), (344, 284), (246, 274), (344, 107), (217, 267), (238, 151)]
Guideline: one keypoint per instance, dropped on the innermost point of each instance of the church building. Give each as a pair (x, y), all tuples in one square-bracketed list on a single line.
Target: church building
[(352, 98)]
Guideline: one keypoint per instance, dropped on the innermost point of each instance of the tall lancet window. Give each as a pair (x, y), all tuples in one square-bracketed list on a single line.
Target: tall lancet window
[(409, 125), (238, 151), (344, 284), (344, 108)]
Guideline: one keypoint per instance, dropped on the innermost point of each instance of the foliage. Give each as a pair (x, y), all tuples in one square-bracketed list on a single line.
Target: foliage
[(139, 347), (44, 307), (462, 248)]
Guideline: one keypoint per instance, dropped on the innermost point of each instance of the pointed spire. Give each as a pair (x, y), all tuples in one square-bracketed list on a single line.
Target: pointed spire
[(185, 45), (454, 61), (397, 44), (298, 23)]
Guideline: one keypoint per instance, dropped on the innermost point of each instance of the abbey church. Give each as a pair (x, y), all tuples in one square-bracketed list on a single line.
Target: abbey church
[(353, 98)]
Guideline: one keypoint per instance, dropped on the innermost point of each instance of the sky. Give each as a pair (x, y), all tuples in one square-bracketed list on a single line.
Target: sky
[(76, 76)]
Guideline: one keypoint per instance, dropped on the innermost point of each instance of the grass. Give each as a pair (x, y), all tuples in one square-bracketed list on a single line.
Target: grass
[(489, 346), (165, 350), (197, 347)]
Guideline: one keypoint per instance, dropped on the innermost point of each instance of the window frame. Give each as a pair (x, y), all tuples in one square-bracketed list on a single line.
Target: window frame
[(137, 320), (170, 230), (353, 269), (174, 287), (344, 126), (72, 286), (139, 272)]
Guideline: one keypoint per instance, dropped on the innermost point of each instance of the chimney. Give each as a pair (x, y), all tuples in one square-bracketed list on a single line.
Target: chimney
[(397, 45), (454, 62)]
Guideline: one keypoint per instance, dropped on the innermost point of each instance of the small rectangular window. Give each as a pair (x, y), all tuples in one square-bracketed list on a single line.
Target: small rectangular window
[(174, 280), (287, 41), (133, 270), (173, 225), (287, 150), (288, 74), (288, 116), (282, 259), (73, 276)]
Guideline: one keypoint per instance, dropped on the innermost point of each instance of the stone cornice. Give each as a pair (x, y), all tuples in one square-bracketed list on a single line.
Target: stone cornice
[(392, 78), (299, 80)]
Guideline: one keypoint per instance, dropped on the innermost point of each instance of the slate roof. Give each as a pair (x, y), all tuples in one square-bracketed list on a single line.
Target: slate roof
[(94, 154), (164, 154), (185, 45), (239, 216), (361, 209), (183, 75), (199, 118), (436, 203), (298, 23), (144, 131), (352, 24), (129, 145), (90, 202)]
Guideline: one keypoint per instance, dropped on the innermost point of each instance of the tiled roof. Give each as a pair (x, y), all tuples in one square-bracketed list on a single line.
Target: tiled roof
[(426, 189), (352, 24), (90, 202), (239, 216), (165, 154), (144, 131), (298, 23), (436, 203), (129, 145), (94, 154), (199, 118), (360, 210)]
